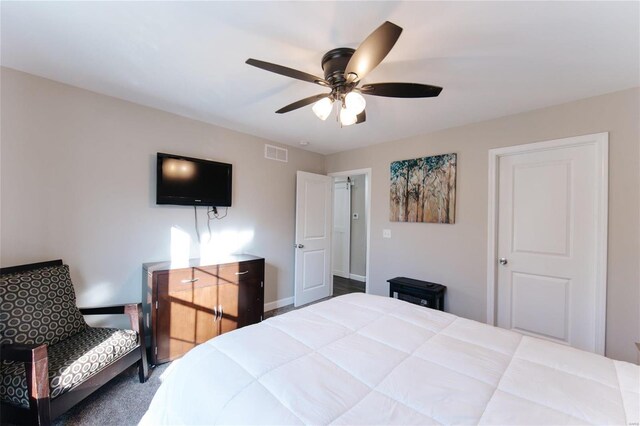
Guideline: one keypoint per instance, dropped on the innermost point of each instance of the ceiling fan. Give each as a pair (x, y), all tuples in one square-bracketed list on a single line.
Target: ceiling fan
[(344, 68)]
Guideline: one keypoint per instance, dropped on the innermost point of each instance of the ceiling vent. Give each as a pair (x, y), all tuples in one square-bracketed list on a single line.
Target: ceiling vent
[(276, 153)]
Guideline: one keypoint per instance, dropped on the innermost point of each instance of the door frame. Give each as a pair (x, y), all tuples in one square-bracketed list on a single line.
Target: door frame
[(367, 208), (601, 142), (348, 266)]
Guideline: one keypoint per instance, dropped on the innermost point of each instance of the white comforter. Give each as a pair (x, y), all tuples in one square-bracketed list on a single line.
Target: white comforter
[(362, 359)]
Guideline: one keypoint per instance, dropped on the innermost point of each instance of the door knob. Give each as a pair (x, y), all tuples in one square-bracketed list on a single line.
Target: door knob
[(502, 261), (299, 245)]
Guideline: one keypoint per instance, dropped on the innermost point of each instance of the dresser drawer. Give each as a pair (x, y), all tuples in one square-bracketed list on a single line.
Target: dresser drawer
[(232, 272), (174, 280), (187, 280)]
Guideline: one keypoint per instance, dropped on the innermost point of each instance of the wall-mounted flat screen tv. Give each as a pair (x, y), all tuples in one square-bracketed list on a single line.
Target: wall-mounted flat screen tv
[(189, 181)]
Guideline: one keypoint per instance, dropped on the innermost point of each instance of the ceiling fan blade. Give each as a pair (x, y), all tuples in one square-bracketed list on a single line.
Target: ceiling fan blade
[(401, 90), (362, 117), (302, 102), (372, 51), (288, 72)]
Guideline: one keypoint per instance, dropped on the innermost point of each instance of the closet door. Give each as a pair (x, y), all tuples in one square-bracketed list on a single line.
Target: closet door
[(551, 231)]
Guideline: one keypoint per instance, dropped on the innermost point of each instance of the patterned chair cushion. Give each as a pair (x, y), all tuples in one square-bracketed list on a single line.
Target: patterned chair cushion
[(72, 361), (38, 306)]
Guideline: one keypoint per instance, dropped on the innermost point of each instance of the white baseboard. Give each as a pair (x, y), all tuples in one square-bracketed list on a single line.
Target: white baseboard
[(341, 274), (358, 277), (270, 306)]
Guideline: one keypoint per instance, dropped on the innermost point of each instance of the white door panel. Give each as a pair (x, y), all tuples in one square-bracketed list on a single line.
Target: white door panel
[(315, 225), (539, 306), (549, 183), (313, 238), (314, 265), (547, 233)]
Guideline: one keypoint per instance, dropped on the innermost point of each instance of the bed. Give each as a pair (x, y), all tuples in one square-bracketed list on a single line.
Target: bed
[(364, 359)]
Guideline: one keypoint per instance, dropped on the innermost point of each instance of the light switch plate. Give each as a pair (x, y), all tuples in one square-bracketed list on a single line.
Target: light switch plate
[(386, 233)]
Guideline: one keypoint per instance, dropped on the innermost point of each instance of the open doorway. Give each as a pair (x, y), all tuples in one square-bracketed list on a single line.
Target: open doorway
[(313, 276), (350, 233)]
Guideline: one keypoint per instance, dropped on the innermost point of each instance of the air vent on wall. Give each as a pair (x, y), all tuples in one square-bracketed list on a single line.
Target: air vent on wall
[(276, 153)]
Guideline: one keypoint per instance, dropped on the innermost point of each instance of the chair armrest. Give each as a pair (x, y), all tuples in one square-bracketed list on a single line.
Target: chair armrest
[(132, 310), (23, 353), (36, 369)]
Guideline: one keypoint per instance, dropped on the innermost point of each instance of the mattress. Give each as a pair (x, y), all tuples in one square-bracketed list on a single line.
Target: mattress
[(363, 359)]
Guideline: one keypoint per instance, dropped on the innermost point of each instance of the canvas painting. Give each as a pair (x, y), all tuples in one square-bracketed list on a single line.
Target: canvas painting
[(424, 189)]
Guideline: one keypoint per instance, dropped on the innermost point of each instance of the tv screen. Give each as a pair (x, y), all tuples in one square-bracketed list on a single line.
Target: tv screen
[(191, 181)]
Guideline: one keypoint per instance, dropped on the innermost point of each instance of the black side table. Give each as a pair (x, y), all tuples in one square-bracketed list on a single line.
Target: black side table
[(419, 292)]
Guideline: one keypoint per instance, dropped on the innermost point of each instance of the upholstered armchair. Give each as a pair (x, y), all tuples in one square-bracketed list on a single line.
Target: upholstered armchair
[(50, 358)]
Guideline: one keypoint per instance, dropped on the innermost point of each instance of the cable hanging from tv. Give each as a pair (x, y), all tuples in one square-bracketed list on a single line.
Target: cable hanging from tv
[(216, 215), (214, 210), (195, 215)]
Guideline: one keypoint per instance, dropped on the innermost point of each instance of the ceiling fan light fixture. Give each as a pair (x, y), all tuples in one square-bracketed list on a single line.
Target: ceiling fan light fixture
[(323, 108), (355, 102), (347, 117)]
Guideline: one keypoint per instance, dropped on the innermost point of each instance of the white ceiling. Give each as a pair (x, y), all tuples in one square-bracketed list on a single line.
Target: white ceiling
[(492, 58)]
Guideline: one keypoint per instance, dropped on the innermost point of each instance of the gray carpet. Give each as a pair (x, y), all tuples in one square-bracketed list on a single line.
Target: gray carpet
[(122, 401)]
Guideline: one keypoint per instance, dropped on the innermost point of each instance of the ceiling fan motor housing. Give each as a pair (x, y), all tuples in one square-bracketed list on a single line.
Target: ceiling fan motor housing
[(334, 62)]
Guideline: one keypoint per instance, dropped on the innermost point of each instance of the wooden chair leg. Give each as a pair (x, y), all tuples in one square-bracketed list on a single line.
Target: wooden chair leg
[(143, 367), (134, 311), (37, 371)]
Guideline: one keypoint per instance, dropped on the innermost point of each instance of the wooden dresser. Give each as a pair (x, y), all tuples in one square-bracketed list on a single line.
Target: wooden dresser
[(187, 305)]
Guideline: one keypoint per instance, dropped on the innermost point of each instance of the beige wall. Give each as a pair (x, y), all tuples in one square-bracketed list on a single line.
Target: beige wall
[(78, 183), (455, 255)]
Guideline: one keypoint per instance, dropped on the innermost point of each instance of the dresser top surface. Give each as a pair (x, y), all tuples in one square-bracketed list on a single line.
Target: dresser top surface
[(168, 265)]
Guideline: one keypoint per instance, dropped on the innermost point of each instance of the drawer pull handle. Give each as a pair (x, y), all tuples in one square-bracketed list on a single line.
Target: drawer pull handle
[(189, 281), (242, 273), (215, 314), (220, 313)]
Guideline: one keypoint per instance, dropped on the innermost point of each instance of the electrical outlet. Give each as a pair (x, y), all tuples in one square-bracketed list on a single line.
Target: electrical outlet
[(386, 233)]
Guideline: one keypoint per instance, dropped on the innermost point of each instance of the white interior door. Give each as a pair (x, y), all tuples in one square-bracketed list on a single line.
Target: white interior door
[(313, 238), (341, 228), (548, 243)]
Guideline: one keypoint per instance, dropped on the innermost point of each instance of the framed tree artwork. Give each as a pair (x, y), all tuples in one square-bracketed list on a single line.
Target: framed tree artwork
[(424, 189)]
